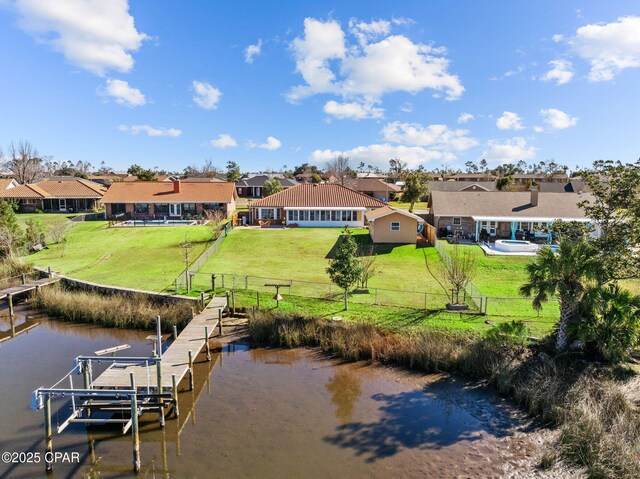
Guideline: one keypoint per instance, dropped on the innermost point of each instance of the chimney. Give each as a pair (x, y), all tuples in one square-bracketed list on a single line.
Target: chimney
[(534, 197), (176, 186)]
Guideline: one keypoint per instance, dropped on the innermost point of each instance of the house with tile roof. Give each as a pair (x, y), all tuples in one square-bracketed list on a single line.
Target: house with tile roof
[(164, 199), (500, 214), (251, 186), (314, 205), (375, 187), (390, 225), (59, 195)]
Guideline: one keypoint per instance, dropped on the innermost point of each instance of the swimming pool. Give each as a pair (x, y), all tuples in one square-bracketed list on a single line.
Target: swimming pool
[(157, 223), (514, 247)]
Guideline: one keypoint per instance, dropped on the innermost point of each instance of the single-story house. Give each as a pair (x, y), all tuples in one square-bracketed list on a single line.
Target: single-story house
[(314, 205), (160, 199), (251, 186), (540, 178), (374, 187), (389, 225), (56, 195), (503, 214), (462, 185), (8, 183), (108, 178)]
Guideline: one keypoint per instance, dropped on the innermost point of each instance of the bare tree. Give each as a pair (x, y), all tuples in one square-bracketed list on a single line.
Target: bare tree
[(339, 168), (9, 239), (214, 221), (367, 258), (460, 271), (24, 162)]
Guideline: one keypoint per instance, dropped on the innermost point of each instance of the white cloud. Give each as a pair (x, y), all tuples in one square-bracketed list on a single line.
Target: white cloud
[(379, 155), (509, 121), (557, 38), (510, 73), (557, 119), (609, 48), (353, 110), (465, 118), (151, 131), (561, 73), (253, 51), (406, 107), (93, 34), (367, 70), (271, 144), (538, 129), (224, 140), (123, 93), (510, 151), (206, 95), (366, 32), (438, 137)]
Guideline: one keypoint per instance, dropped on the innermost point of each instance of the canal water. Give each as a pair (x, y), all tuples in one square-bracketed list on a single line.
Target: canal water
[(261, 413)]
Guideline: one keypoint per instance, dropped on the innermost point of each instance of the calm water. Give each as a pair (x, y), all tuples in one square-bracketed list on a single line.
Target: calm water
[(262, 413)]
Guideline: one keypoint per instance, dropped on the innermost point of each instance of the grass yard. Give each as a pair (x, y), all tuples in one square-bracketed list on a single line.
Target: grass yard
[(418, 205), (302, 254), (145, 258), (47, 219)]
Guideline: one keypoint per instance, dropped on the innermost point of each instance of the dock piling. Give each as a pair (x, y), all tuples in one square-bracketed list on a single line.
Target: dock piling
[(134, 426), (206, 343), (48, 435), (160, 390), (190, 371), (10, 298), (24, 278), (176, 410), (175, 332), (219, 321)]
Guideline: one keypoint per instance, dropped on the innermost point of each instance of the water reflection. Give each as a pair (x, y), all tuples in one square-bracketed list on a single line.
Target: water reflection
[(345, 390)]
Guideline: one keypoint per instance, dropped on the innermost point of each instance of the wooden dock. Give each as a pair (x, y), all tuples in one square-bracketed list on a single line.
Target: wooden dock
[(24, 288), (174, 361)]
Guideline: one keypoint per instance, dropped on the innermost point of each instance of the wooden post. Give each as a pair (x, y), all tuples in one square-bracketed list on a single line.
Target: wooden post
[(246, 282), (227, 295), (233, 302), (206, 343), (159, 336), (49, 271), (193, 312), (87, 383), (190, 371), (220, 321), (10, 298), (48, 435), (176, 410), (175, 332), (134, 426), (213, 283), (202, 299), (160, 390), (24, 278)]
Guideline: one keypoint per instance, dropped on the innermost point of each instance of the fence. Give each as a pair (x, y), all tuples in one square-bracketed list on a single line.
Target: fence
[(326, 291), (181, 281), (471, 291)]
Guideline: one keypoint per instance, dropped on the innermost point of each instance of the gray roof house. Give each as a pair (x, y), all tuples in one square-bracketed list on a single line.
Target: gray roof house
[(251, 186), (503, 214)]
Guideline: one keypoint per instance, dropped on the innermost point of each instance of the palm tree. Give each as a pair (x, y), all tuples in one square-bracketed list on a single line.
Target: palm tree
[(563, 275)]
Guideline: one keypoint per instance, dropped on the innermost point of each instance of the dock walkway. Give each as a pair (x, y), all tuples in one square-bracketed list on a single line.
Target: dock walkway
[(175, 360), (24, 288)]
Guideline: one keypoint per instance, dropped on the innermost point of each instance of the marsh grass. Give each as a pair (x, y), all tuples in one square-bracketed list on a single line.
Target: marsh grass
[(594, 409), (115, 311)]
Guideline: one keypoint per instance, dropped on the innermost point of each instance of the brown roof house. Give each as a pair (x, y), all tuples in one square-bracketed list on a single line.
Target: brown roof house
[(499, 214), (375, 187), (314, 205), (161, 199), (388, 225), (61, 195)]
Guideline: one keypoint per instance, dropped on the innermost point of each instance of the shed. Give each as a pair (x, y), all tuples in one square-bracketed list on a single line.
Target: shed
[(389, 225)]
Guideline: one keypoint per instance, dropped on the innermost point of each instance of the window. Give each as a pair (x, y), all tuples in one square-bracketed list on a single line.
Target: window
[(333, 216), (312, 215), (395, 226), (267, 213), (354, 215), (457, 221), (162, 209), (212, 206), (141, 208), (489, 227), (118, 208), (188, 209)]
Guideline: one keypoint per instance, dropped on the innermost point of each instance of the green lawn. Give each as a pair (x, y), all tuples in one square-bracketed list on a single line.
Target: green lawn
[(303, 254), (146, 258), (47, 219), (418, 205)]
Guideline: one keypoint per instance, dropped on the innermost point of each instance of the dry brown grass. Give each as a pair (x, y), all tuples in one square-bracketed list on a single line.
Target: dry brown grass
[(136, 312), (596, 414)]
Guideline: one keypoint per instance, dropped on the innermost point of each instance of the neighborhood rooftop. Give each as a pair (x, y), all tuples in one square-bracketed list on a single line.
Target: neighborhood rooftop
[(169, 192), (67, 188), (322, 195)]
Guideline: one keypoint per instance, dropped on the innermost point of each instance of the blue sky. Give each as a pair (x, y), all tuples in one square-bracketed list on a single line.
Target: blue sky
[(167, 84)]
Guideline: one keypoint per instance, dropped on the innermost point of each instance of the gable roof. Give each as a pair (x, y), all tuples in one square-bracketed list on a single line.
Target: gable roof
[(320, 195), (162, 192), (508, 205), (387, 210), (6, 183), (462, 185), (372, 184), (60, 188), (259, 180)]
